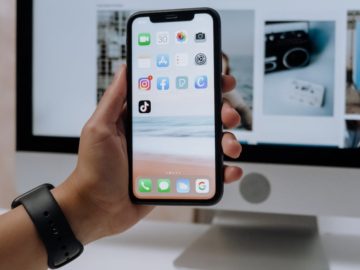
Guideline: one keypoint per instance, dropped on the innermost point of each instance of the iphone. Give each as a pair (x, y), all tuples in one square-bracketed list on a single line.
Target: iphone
[(174, 101)]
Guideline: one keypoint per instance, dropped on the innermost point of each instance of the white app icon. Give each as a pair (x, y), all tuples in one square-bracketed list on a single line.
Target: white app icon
[(181, 59), (202, 186), (162, 38), (144, 62)]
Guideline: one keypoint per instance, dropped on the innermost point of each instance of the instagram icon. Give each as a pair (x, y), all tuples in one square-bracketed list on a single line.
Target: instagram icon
[(145, 83)]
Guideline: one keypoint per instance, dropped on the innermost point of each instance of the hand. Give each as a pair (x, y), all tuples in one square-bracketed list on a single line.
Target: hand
[(95, 197)]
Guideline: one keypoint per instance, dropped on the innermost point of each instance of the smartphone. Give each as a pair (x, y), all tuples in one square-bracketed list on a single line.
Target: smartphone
[(174, 101)]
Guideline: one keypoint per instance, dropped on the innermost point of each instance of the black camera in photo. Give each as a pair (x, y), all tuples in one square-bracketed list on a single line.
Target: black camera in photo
[(299, 68), (287, 45)]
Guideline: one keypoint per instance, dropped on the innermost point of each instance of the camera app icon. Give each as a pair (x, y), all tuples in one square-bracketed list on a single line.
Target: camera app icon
[(144, 106), (200, 37)]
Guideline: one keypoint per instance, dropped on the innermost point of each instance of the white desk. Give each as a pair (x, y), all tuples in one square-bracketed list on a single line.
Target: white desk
[(155, 245)]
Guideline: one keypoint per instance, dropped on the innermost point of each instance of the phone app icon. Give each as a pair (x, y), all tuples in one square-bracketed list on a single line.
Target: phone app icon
[(144, 106), (145, 185), (181, 37), (162, 60), (201, 82), (200, 37), (144, 39), (144, 61), (163, 83), (200, 59), (163, 185), (183, 185), (181, 59), (162, 38), (202, 186), (182, 82), (144, 83)]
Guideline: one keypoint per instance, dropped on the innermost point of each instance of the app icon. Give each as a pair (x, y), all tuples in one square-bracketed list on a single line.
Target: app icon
[(181, 59), (163, 83), (145, 185), (200, 59), (201, 82), (145, 83), (163, 185), (162, 60), (183, 185), (200, 37), (144, 39), (144, 62), (181, 36), (182, 82), (144, 106), (162, 38), (202, 186)]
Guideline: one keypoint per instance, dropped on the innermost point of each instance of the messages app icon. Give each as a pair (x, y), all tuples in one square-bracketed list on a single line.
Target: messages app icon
[(145, 185), (183, 185), (163, 185)]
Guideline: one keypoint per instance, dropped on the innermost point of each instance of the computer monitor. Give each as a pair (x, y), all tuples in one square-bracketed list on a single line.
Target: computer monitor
[(298, 81)]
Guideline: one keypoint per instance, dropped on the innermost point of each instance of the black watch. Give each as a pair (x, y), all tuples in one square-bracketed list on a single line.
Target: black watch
[(60, 242)]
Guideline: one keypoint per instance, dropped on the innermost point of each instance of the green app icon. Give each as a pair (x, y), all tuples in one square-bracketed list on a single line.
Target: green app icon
[(145, 185), (163, 185), (144, 39)]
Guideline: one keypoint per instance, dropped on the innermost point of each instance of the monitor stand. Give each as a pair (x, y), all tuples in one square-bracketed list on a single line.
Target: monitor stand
[(246, 241)]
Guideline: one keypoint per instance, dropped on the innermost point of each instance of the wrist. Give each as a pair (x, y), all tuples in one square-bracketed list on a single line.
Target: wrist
[(85, 221)]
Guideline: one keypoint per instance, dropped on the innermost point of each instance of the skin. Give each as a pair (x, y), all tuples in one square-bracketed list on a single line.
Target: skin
[(94, 198)]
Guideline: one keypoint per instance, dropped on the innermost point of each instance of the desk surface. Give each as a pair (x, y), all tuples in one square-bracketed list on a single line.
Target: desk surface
[(155, 245)]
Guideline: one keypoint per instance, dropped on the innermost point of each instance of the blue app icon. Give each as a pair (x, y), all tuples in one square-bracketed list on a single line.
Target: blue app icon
[(163, 83), (201, 82), (182, 82), (183, 185), (162, 60)]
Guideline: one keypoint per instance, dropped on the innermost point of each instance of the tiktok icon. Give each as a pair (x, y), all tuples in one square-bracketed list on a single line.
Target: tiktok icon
[(144, 106)]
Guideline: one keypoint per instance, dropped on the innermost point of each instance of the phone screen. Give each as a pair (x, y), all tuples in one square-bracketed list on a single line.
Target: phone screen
[(173, 109)]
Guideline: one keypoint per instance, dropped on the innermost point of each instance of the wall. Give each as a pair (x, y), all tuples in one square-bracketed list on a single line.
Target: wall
[(7, 101)]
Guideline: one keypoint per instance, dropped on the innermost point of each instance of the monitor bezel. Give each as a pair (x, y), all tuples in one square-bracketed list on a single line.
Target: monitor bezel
[(27, 141)]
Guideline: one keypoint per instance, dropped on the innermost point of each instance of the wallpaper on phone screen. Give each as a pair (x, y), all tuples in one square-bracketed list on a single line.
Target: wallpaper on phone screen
[(173, 109)]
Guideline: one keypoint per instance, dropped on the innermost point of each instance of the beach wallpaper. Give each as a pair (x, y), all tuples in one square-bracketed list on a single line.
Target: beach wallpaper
[(191, 142)]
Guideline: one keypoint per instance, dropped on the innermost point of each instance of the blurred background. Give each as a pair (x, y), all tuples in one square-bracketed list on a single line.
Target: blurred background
[(8, 115)]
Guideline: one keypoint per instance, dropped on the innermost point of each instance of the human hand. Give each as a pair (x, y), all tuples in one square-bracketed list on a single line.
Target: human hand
[(95, 197)]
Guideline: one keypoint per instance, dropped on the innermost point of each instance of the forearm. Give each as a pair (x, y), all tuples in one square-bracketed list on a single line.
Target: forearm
[(20, 246)]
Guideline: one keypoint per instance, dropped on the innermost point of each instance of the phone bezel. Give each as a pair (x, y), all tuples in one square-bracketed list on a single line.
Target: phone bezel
[(171, 16)]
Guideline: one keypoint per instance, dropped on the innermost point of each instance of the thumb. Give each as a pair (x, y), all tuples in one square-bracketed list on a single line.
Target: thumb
[(111, 104)]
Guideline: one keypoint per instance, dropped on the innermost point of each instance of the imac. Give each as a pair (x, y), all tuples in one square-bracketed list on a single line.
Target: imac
[(298, 94)]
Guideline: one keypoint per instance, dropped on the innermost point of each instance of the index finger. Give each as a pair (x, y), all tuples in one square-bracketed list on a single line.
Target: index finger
[(228, 83)]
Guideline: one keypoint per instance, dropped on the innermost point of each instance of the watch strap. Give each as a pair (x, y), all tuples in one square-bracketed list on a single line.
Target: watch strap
[(51, 225)]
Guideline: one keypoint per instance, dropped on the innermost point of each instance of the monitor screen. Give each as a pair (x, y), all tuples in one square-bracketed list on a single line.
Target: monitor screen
[(297, 70)]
